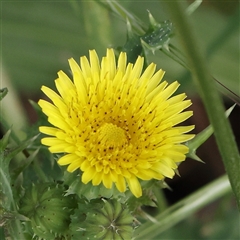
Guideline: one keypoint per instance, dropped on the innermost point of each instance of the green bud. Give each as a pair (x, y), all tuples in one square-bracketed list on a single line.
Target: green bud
[(48, 209), (105, 219)]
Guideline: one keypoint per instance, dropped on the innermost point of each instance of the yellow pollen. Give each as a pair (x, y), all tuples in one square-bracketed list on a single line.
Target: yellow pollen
[(112, 135)]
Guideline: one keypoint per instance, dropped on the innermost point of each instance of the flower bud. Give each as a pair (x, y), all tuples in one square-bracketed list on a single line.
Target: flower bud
[(103, 220), (48, 209)]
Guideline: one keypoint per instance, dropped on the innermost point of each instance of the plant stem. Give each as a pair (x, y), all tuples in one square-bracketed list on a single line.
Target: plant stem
[(184, 208), (211, 99), (42, 176)]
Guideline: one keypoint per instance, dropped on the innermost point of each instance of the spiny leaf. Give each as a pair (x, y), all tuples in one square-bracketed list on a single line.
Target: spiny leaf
[(13, 152), (5, 190), (76, 186), (155, 38), (4, 142), (196, 142), (23, 165)]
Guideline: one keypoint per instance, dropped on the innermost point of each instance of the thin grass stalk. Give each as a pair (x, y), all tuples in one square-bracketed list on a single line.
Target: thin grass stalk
[(184, 208)]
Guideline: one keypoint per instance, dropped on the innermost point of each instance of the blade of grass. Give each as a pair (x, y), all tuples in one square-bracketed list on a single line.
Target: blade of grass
[(211, 99)]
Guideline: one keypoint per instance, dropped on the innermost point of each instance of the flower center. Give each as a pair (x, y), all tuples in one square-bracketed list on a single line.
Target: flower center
[(112, 135)]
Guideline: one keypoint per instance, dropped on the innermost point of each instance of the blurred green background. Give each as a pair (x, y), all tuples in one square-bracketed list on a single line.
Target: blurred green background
[(38, 37)]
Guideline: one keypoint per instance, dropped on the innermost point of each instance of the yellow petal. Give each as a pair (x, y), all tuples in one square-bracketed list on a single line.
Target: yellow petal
[(137, 68), (74, 66), (134, 186), (122, 60), (107, 181), (156, 92), (155, 80), (86, 69), (59, 122), (67, 159), (49, 109), (144, 174), (176, 99), (179, 118), (64, 84), (178, 139), (185, 129), (97, 179), (163, 169), (111, 64), (121, 183), (177, 108), (166, 93), (50, 141), (94, 61), (147, 174), (56, 99), (88, 175), (48, 130)]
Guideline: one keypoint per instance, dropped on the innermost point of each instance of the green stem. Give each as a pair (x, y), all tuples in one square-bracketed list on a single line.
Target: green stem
[(184, 208), (211, 98), (14, 226), (39, 171), (161, 200)]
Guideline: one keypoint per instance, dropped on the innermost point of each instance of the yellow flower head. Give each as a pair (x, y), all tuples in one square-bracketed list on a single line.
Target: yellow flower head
[(116, 123)]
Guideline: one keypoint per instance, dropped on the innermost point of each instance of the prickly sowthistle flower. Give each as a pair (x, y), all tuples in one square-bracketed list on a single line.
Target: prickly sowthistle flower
[(115, 123)]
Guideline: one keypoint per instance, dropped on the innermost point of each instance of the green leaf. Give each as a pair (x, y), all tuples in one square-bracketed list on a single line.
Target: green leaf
[(23, 165), (159, 36), (88, 190), (13, 152), (4, 142), (76, 186), (5, 157), (5, 190), (201, 137), (156, 37), (3, 93), (8, 200), (5, 186)]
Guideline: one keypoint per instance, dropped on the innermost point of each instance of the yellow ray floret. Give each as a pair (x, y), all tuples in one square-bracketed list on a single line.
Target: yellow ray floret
[(116, 123)]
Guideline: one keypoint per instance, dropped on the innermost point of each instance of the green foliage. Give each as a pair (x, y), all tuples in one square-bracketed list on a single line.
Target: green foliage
[(9, 215), (87, 191), (156, 37), (40, 200), (202, 137), (211, 99)]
